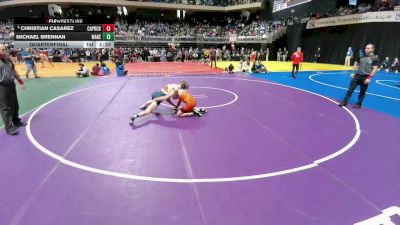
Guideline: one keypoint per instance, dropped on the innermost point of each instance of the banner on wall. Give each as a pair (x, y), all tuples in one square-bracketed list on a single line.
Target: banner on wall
[(370, 17)]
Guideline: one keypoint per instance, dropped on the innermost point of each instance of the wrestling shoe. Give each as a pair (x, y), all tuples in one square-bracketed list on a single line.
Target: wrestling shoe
[(202, 110), (132, 119), (196, 112)]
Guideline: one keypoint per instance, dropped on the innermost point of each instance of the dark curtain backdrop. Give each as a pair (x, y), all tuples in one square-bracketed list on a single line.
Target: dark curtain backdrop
[(334, 41)]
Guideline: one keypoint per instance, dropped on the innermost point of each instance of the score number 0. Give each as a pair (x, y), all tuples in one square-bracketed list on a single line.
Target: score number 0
[(108, 27)]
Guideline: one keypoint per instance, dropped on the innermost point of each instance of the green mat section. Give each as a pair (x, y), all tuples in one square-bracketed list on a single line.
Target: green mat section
[(39, 91)]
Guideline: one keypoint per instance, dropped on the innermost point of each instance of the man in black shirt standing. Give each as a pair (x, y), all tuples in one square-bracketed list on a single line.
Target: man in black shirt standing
[(8, 96), (213, 57), (365, 70), (317, 55), (284, 54)]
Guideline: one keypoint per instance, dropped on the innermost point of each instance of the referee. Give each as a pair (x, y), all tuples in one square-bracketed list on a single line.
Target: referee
[(365, 70), (8, 95)]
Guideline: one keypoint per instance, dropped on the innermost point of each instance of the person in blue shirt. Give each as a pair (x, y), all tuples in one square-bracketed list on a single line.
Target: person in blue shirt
[(258, 67), (67, 55), (28, 57), (362, 53), (120, 69), (349, 56), (104, 69)]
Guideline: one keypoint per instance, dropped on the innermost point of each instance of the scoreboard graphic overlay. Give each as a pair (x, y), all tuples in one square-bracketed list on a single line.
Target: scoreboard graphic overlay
[(63, 33)]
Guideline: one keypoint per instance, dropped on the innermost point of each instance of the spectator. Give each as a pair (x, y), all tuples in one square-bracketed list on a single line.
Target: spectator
[(395, 66), (349, 56), (244, 66), (213, 57), (279, 55), (385, 64), (30, 63), (13, 54), (95, 70), (83, 71), (258, 67), (284, 54), (120, 69), (317, 55), (104, 70), (231, 69)]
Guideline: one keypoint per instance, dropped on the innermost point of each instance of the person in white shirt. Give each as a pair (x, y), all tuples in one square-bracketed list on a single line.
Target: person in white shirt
[(245, 66), (240, 65), (83, 71), (279, 55), (88, 54)]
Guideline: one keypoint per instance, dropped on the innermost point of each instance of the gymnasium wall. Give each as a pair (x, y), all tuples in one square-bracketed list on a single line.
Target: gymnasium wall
[(334, 41)]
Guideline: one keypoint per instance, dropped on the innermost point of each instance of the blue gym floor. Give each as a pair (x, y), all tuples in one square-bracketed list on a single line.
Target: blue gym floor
[(383, 93)]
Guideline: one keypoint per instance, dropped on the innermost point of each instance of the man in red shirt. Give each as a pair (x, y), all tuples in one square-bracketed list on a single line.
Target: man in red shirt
[(119, 53), (95, 70), (297, 58)]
